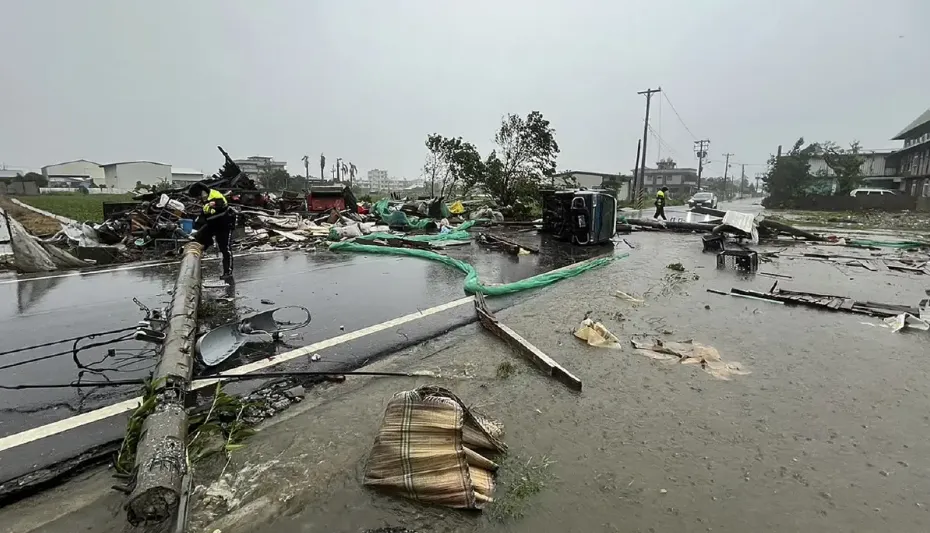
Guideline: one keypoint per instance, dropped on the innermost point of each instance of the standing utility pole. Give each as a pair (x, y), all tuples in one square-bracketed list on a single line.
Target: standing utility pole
[(629, 192), (642, 163), (338, 163), (742, 177), (700, 150), (726, 167)]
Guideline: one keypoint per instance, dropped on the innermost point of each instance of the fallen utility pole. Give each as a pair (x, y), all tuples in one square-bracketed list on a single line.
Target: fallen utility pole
[(672, 225), (161, 456), (766, 223), (523, 347)]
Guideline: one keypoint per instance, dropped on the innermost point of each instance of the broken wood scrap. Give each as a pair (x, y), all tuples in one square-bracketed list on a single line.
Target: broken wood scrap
[(512, 247), (400, 243), (523, 347)]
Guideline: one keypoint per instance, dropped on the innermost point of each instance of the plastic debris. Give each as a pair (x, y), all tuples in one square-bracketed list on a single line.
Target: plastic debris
[(595, 334), (624, 296), (906, 320), (690, 353)]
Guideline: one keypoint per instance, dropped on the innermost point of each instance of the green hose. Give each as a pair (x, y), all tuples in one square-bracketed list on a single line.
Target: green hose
[(472, 284)]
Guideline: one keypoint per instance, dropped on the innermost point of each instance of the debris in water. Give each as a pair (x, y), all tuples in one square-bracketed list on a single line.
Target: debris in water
[(677, 267), (595, 334), (906, 320), (266, 301), (624, 296), (690, 352)]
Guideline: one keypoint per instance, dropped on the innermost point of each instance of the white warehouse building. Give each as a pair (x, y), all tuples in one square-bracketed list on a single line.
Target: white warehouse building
[(80, 168), (125, 175)]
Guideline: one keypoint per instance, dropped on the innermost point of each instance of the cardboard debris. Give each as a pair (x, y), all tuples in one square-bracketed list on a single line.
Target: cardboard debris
[(690, 353), (597, 335)]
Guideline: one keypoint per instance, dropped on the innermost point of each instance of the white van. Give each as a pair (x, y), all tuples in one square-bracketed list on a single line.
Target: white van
[(872, 192)]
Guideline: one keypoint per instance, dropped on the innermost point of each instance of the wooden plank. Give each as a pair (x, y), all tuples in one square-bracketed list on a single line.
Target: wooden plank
[(523, 347), (848, 304)]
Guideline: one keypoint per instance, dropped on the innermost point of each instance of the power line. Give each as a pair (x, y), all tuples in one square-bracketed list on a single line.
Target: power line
[(662, 142), (693, 136)]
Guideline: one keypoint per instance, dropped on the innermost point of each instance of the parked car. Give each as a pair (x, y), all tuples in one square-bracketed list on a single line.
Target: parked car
[(872, 192), (705, 199)]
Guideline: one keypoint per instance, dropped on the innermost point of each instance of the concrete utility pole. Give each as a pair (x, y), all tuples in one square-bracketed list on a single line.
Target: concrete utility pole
[(741, 178), (700, 150), (726, 167), (642, 163), (629, 192), (338, 163), (161, 456)]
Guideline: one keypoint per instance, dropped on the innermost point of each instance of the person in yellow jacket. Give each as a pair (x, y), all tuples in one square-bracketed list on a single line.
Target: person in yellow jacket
[(660, 203), (216, 222)]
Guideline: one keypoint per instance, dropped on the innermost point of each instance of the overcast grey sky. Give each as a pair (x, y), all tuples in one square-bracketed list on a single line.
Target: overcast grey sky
[(367, 80)]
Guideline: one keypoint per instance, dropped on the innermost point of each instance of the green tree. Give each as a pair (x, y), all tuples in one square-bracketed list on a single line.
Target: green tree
[(525, 156), (789, 176), (846, 165), (275, 180), (451, 163), (39, 179)]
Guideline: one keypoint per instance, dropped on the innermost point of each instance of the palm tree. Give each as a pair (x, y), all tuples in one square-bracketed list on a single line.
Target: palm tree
[(322, 166), (306, 161)]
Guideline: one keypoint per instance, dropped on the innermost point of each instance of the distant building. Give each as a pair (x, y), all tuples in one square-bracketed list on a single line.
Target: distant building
[(70, 182), (913, 160), (680, 181), (378, 179), (258, 164), (875, 171), (183, 177), (594, 180), (80, 168), (126, 174)]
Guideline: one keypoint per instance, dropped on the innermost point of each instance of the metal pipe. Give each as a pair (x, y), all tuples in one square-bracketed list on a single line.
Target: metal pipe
[(161, 456)]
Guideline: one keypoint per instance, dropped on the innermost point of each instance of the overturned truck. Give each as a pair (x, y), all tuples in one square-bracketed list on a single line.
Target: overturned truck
[(580, 216)]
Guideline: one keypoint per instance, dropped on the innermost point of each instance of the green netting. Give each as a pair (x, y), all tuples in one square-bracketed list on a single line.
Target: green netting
[(472, 284), (887, 244), (399, 219)]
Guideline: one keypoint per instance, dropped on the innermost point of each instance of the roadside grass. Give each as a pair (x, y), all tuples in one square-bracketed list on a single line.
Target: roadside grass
[(80, 207), (520, 480), (872, 219)]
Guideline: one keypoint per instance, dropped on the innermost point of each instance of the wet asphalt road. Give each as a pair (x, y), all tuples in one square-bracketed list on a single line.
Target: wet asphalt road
[(344, 292)]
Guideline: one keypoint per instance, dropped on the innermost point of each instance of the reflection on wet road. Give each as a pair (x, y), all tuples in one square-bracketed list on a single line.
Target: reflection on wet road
[(344, 292)]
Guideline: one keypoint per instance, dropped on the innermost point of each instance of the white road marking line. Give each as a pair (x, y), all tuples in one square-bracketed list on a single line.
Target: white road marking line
[(83, 273), (41, 432)]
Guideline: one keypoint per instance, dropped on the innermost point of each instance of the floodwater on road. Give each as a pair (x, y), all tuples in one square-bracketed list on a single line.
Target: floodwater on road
[(828, 432), (343, 291)]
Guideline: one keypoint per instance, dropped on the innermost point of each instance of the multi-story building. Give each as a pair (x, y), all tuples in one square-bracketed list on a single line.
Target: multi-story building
[(378, 179), (913, 160), (875, 169), (258, 164), (680, 181)]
